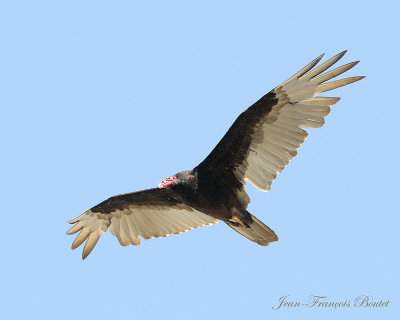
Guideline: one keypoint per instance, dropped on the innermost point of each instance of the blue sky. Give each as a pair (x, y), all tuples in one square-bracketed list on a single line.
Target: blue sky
[(99, 98)]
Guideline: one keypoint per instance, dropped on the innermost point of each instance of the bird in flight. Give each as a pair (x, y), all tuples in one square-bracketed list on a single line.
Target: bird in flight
[(258, 145)]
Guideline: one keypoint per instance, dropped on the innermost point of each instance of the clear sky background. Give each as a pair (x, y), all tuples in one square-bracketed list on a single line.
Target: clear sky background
[(99, 98)]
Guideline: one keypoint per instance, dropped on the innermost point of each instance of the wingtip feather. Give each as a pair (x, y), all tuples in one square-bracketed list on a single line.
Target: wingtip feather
[(337, 84), (304, 70), (74, 229), (90, 244), (82, 236), (338, 56)]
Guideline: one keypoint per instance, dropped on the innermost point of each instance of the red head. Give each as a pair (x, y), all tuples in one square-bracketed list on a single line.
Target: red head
[(168, 182)]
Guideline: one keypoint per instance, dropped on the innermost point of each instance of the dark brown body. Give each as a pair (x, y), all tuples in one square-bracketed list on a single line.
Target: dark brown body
[(209, 194)]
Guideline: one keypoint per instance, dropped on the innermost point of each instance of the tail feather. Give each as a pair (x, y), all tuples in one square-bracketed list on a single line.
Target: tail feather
[(254, 230)]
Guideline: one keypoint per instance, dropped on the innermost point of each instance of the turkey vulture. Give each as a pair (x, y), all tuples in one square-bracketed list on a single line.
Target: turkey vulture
[(257, 146)]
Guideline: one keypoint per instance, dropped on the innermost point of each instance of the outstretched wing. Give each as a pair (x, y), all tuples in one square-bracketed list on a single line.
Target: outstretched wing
[(148, 214), (266, 136)]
